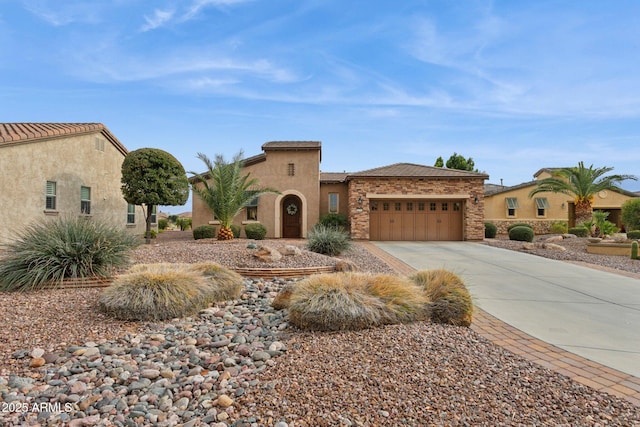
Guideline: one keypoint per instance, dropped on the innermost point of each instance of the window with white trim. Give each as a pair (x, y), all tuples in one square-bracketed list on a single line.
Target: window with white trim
[(85, 200), (333, 202), (252, 210), (512, 205), (50, 198), (542, 204), (131, 213), (154, 214)]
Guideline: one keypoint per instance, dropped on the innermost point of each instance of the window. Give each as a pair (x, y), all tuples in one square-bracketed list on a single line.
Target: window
[(252, 210), (385, 206), (398, 206), (85, 200), (154, 215), (50, 199), (512, 205), (457, 206), (373, 206), (131, 214), (542, 204), (291, 169), (432, 206), (409, 206), (420, 206), (445, 206), (333, 202)]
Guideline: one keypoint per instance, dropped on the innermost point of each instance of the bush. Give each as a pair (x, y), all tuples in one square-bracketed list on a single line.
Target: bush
[(630, 214), (156, 292), (75, 247), (579, 231), (450, 300), (236, 230), (255, 231), (328, 240), (633, 234), (163, 224), (223, 284), (204, 232), (558, 227), (152, 234), (521, 234), (518, 224), (490, 230), (351, 301), (337, 220)]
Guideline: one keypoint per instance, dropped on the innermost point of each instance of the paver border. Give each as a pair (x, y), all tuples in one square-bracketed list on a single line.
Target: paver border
[(578, 368)]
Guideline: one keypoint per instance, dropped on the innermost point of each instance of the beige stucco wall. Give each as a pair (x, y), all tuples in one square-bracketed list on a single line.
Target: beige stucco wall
[(496, 208), (273, 172), (342, 190), (466, 189), (72, 162)]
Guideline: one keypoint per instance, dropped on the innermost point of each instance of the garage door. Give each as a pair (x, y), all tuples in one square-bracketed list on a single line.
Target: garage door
[(415, 220)]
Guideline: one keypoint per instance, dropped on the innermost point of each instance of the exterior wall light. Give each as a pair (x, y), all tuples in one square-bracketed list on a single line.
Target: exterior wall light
[(475, 200), (360, 200)]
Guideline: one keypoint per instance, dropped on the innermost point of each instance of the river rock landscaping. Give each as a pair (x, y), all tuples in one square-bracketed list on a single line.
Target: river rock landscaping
[(240, 363)]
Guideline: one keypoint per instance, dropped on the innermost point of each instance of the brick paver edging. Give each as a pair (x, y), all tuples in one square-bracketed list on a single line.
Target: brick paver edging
[(579, 369)]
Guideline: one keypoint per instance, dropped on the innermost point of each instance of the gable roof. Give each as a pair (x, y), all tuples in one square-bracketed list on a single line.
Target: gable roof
[(333, 177), (493, 189), (22, 133), (411, 170)]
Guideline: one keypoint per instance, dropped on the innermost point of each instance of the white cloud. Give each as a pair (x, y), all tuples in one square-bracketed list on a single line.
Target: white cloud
[(159, 18)]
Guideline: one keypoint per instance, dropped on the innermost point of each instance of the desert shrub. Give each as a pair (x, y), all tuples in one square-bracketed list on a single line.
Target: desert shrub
[(490, 230), (255, 231), (163, 224), (558, 227), (236, 230), (351, 301), (521, 234), (204, 232), (579, 231), (158, 292), (518, 224), (74, 247), (223, 283), (152, 234), (633, 234), (450, 300), (328, 240), (334, 220), (183, 223), (630, 214), (283, 298), (634, 250)]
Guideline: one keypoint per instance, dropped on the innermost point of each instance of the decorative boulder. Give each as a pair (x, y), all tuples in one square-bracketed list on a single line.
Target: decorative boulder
[(290, 250), (554, 239), (554, 247), (268, 254)]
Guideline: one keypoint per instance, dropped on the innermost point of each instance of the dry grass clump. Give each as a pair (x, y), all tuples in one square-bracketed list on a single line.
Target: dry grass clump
[(283, 299), (165, 291), (450, 300), (351, 301), (152, 295)]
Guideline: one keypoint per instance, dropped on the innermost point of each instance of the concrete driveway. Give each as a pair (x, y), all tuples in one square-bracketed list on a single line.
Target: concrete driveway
[(587, 312)]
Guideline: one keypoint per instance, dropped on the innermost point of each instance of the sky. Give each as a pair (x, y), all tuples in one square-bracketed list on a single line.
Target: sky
[(515, 85)]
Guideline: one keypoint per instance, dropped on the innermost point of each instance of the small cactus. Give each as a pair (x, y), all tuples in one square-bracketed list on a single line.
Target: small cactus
[(634, 250)]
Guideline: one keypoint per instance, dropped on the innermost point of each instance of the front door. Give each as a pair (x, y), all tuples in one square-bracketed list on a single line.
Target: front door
[(291, 217)]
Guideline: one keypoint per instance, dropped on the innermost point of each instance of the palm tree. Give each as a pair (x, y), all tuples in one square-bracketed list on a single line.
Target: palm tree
[(583, 184), (229, 191)]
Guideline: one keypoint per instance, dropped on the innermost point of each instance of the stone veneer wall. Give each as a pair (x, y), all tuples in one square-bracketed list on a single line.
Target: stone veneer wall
[(473, 227), (541, 226)]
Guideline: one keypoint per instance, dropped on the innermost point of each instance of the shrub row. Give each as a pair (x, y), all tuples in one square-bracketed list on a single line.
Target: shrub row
[(255, 231)]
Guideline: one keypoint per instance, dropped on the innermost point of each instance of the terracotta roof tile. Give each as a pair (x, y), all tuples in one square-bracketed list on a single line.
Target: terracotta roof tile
[(410, 170), (333, 176), (16, 133)]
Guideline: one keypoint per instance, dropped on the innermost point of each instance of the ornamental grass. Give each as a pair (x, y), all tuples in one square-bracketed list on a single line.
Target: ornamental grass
[(450, 300)]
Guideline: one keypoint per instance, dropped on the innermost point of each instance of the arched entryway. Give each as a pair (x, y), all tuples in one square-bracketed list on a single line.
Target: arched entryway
[(291, 217)]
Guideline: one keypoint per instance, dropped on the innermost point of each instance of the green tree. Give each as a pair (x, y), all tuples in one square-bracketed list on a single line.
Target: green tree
[(226, 191), (153, 177), (439, 162), (631, 214), (583, 184), (456, 161)]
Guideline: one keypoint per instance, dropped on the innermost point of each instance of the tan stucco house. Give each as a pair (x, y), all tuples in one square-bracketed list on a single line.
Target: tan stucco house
[(402, 201), (508, 205), (54, 169)]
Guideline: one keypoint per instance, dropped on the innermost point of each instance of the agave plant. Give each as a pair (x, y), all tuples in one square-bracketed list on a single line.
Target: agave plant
[(226, 191)]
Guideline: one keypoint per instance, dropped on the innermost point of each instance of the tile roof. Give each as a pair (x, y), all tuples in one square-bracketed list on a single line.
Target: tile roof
[(291, 145), (333, 176), (410, 170), (19, 133)]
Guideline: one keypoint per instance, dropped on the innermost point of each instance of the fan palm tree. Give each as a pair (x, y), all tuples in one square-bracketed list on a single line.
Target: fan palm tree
[(583, 184), (226, 191)]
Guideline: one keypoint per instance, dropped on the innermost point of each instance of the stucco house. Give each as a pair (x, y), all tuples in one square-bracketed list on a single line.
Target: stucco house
[(402, 201), (508, 205), (54, 169)]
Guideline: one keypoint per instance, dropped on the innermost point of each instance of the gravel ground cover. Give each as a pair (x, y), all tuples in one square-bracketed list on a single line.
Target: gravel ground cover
[(240, 363)]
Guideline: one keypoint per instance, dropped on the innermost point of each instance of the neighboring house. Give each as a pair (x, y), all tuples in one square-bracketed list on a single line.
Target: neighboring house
[(508, 205), (51, 170), (397, 202)]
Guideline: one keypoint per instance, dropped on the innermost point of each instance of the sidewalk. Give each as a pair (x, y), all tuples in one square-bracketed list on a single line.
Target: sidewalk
[(480, 266)]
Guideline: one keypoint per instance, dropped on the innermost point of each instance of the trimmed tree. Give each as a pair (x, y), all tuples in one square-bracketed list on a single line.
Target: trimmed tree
[(226, 191), (153, 177), (631, 214), (582, 184)]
